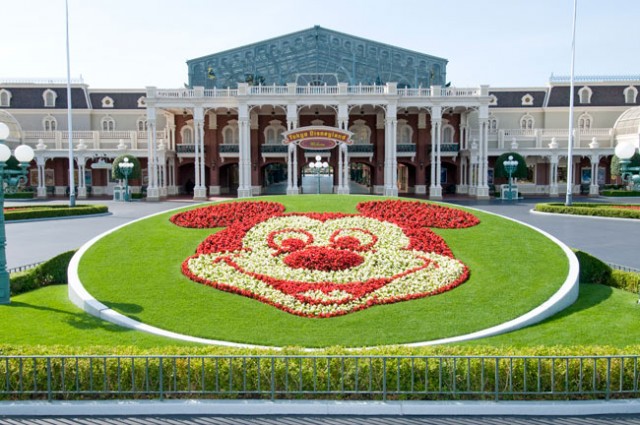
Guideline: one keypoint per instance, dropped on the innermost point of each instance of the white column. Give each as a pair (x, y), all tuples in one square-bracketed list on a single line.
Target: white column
[(343, 159), (152, 186), (390, 157), (82, 186), (42, 188), (292, 153), (435, 189), (483, 159), (553, 175), (199, 190), (594, 187), (244, 160)]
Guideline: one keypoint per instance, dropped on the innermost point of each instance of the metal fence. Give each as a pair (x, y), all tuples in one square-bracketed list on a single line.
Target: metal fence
[(319, 377)]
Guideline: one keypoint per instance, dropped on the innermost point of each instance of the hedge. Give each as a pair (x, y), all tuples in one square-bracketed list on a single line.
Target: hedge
[(593, 270), (51, 272), (19, 195), (620, 193), (395, 374), (32, 212), (590, 209)]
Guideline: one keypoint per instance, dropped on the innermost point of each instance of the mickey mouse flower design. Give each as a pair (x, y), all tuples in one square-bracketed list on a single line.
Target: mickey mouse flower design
[(327, 264)]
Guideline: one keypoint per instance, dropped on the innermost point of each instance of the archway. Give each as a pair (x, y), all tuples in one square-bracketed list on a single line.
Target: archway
[(274, 178), (229, 179), (361, 178)]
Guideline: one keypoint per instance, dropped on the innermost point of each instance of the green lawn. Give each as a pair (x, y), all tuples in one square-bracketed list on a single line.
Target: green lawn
[(136, 271), (45, 321)]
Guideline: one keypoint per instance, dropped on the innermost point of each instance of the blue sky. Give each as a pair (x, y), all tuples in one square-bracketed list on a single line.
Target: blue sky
[(138, 43)]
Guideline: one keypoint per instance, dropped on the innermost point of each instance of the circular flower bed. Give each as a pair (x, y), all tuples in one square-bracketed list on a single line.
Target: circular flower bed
[(326, 264)]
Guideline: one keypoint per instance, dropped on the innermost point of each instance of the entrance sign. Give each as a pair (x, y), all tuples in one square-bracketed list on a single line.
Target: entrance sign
[(317, 137)]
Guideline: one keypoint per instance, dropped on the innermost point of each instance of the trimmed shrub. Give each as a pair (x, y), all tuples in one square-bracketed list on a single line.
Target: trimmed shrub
[(627, 281), (51, 272), (620, 193), (593, 270), (32, 212), (19, 195), (590, 209)]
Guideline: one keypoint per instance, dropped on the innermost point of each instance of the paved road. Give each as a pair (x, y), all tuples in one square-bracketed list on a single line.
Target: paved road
[(613, 241)]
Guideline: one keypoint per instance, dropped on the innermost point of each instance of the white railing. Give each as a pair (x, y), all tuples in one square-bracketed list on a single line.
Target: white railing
[(317, 90), (267, 90), (40, 81), (454, 91), (215, 92), (115, 134), (519, 132), (176, 93), (593, 78), (78, 134), (360, 89), (420, 92), (45, 135)]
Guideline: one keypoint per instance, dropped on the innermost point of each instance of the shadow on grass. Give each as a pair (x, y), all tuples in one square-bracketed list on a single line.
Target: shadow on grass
[(591, 294), (81, 320), (126, 308)]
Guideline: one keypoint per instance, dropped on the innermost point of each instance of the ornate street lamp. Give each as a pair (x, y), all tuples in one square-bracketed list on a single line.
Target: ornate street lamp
[(11, 179), (510, 166), (318, 165), (126, 168), (625, 151)]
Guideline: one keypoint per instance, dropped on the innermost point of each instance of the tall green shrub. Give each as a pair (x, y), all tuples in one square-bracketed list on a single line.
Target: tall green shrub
[(51, 272)]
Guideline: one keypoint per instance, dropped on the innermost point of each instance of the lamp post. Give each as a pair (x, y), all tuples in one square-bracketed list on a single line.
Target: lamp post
[(318, 165), (126, 168), (10, 178), (625, 151), (510, 166)]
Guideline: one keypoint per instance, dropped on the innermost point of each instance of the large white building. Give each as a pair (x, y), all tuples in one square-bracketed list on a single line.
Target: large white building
[(410, 131)]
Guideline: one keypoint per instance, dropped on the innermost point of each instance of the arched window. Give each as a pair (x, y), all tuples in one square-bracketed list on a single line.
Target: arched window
[(108, 124), (187, 135), (361, 133), (527, 122), (493, 100), (630, 94), (447, 133), (492, 123), (584, 122), (107, 102), (141, 124), (5, 98), (49, 123), (142, 102), (49, 97), (230, 133), (273, 133), (404, 133), (527, 100), (585, 95)]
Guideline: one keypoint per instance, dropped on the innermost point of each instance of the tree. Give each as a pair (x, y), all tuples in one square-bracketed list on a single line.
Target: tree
[(616, 170), (116, 174), (521, 170)]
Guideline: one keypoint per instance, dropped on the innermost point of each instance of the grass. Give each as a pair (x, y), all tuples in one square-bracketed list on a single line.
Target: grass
[(136, 271), (45, 321)]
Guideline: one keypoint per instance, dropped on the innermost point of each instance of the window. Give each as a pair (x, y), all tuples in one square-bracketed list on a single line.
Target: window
[(630, 94), (141, 124), (404, 133), (447, 134), (187, 135), (361, 133), (5, 98), (142, 102), (585, 95), (49, 123), (49, 97), (493, 100), (492, 123), (527, 122), (108, 124), (527, 100), (273, 133), (230, 133), (584, 122), (107, 102)]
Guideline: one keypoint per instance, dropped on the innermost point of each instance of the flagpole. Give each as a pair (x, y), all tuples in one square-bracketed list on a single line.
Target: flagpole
[(72, 190), (569, 198)]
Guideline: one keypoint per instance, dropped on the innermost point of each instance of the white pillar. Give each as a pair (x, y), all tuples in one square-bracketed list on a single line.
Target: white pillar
[(199, 190), (152, 182), (343, 159), (594, 187), (42, 188), (435, 189), (292, 153), (553, 175), (483, 159), (390, 157), (244, 160)]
